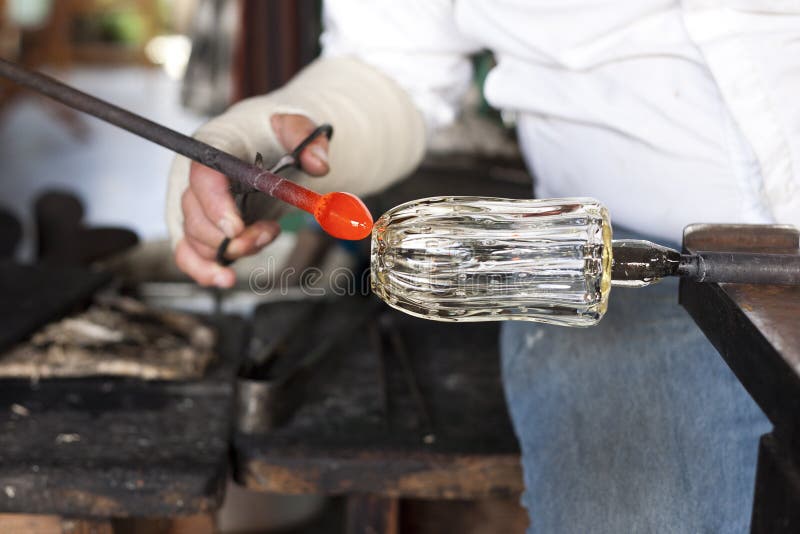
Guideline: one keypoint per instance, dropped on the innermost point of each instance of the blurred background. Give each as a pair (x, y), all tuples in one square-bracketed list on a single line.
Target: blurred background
[(177, 62), (134, 53)]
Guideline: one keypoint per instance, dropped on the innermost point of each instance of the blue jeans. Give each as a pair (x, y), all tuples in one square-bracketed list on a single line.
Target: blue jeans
[(634, 425)]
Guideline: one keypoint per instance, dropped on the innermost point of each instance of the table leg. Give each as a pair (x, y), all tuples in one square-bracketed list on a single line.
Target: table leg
[(86, 526), (195, 524), (371, 514), (777, 493)]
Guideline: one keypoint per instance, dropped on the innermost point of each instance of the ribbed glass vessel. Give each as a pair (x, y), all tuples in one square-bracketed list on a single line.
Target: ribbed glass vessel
[(490, 259)]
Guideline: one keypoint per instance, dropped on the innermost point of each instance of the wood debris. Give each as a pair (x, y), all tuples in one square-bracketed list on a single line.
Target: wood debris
[(20, 410), (68, 438), (116, 336)]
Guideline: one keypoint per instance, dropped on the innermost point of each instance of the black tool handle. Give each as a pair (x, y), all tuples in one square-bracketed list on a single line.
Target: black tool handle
[(741, 267)]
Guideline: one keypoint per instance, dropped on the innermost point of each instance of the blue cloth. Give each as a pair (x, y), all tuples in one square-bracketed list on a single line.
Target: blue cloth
[(634, 425)]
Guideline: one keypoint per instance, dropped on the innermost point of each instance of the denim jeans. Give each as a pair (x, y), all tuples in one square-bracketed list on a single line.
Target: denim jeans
[(633, 425)]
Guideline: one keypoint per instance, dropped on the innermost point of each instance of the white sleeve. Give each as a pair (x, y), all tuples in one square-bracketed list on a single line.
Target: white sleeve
[(753, 51), (415, 42)]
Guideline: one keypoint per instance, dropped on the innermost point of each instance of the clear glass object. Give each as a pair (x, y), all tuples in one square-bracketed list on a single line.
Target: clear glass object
[(485, 259)]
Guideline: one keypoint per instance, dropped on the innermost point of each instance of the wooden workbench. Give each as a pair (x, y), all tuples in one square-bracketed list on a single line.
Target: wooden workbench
[(356, 427), (119, 447), (756, 329)]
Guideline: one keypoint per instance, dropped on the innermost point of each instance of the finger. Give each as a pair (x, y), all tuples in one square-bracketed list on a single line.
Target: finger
[(204, 272), (291, 130), (254, 238), (212, 191), (195, 223), (204, 251)]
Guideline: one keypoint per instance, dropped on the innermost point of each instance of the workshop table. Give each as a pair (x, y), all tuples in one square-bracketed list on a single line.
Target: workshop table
[(106, 447), (394, 407), (756, 329)]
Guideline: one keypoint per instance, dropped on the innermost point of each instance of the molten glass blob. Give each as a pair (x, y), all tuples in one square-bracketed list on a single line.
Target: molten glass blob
[(490, 259), (343, 216)]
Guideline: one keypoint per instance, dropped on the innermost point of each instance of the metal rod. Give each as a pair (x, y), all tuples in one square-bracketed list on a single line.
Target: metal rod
[(399, 348), (245, 173), (638, 263), (741, 268)]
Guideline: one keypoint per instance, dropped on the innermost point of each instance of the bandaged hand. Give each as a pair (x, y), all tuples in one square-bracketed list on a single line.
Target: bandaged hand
[(210, 214), (380, 138)]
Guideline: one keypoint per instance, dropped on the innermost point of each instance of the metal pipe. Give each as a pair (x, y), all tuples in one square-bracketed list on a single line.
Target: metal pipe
[(638, 263), (248, 175), (741, 268)]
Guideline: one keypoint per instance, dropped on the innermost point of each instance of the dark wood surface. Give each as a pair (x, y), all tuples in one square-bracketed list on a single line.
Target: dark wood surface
[(777, 492), (756, 329), (356, 425), (33, 295), (107, 447)]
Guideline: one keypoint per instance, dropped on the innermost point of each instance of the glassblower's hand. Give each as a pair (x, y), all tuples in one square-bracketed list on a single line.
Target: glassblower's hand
[(210, 213)]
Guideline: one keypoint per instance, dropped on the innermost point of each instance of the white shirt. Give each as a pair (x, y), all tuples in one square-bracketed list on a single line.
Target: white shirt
[(669, 112)]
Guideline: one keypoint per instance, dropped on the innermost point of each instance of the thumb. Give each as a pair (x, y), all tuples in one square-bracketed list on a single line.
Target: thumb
[(290, 130)]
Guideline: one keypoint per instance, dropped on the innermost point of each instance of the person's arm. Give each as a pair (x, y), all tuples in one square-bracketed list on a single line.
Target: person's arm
[(376, 96), (380, 136)]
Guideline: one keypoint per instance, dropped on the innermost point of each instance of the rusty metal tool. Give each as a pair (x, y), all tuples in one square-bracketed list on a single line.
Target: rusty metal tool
[(377, 346), (264, 402), (286, 161), (397, 344)]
